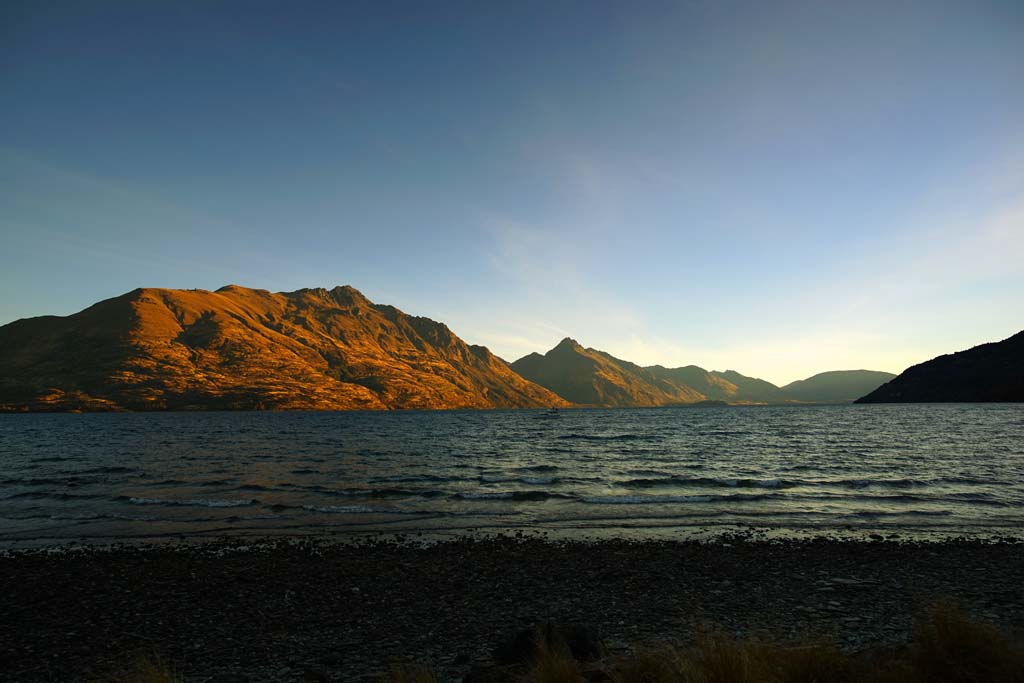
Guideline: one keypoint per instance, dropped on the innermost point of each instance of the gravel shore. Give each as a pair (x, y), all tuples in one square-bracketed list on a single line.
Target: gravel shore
[(311, 610)]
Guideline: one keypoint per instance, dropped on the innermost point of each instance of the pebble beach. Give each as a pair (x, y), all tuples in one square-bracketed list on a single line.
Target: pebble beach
[(316, 610)]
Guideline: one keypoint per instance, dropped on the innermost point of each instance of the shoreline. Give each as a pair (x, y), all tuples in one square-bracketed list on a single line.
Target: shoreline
[(20, 410), (700, 532), (275, 609)]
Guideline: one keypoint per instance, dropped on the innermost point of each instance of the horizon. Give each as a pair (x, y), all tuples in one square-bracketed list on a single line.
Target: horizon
[(725, 369), (780, 190)]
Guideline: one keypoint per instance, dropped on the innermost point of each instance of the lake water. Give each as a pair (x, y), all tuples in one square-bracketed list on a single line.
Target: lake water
[(665, 472)]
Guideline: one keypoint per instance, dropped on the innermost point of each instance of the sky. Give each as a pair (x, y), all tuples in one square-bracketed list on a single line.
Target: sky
[(777, 188)]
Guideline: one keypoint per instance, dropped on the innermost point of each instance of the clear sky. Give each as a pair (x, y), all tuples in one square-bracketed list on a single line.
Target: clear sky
[(779, 188)]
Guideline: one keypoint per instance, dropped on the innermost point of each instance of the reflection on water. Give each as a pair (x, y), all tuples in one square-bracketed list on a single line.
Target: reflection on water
[(910, 468)]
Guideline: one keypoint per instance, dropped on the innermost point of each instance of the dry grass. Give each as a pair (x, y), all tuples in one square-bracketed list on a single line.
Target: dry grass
[(948, 647), (720, 659), (143, 668), (648, 665), (553, 662), (408, 672)]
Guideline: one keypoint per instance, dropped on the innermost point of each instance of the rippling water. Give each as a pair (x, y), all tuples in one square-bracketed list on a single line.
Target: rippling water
[(666, 471)]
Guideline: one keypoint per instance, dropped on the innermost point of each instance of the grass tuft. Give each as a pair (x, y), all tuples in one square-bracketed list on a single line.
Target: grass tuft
[(951, 647), (409, 672), (948, 647), (653, 665), (143, 668), (553, 661)]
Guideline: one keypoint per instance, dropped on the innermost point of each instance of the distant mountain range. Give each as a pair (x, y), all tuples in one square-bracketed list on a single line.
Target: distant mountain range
[(318, 349), (591, 377), (989, 372)]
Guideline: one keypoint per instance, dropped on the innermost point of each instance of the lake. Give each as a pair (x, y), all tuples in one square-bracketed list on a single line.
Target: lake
[(913, 470)]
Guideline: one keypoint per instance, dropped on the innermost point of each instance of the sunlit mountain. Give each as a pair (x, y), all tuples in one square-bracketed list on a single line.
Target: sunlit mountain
[(239, 348)]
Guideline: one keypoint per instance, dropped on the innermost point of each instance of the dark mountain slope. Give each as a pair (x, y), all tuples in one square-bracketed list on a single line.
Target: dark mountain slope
[(837, 386), (592, 377), (989, 372)]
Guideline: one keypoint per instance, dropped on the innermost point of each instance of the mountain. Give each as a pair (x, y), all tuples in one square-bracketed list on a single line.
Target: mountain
[(989, 372), (837, 386), (710, 384), (240, 348), (752, 389), (592, 377)]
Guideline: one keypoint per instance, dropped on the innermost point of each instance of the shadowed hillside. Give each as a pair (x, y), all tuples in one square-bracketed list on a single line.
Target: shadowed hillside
[(709, 384), (989, 372), (592, 377), (837, 386), (752, 389), (240, 348)]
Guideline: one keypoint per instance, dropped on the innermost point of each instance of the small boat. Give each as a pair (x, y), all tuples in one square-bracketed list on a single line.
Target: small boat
[(550, 412)]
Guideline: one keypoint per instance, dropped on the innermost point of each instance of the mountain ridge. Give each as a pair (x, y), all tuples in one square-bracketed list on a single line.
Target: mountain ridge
[(333, 349), (242, 348), (984, 373), (588, 376)]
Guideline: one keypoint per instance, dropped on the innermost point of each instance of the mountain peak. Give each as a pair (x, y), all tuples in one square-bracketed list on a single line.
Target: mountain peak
[(347, 294), (568, 343)]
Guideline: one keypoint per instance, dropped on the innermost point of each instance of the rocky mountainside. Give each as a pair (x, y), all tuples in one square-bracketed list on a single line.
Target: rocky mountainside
[(752, 389), (989, 372), (837, 386), (591, 377), (595, 378), (239, 348), (710, 384)]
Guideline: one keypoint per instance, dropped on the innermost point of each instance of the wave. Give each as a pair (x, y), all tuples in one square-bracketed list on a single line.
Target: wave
[(645, 500), (357, 492), (895, 483), (88, 517), (505, 479), (381, 493), (412, 478), (902, 513), (510, 495), (600, 437), (350, 509), (649, 473), (658, 500), (711, 482), (197, 502), (46, 481), (106, 470), (29, 495), (660, 479), (974, 499)]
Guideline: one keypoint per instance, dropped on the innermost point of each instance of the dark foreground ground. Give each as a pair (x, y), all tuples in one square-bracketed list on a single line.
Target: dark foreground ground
[(320, 611)]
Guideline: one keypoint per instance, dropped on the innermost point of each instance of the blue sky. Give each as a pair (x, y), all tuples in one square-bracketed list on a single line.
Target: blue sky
[(778, 188)]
